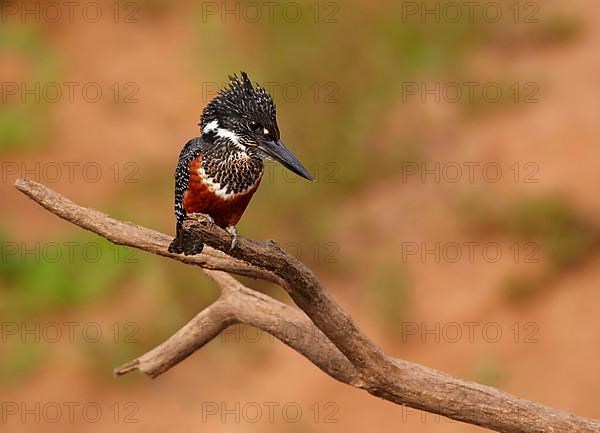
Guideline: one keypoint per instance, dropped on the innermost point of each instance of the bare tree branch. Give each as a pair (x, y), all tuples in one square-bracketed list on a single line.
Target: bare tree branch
[(240, 305), (133, 235), (342, 350)]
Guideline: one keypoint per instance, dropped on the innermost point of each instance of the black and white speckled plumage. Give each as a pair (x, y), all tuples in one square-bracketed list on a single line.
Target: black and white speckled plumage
[(190, 151), (239, 104), (222, 163), (219, 171), (226, 165), (233, 168)]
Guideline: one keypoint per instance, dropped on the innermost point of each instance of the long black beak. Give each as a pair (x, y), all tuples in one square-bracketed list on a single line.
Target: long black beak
[(277, 150)]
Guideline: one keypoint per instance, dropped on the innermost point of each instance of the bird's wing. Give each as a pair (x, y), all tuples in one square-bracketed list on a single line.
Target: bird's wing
[(190, 151)]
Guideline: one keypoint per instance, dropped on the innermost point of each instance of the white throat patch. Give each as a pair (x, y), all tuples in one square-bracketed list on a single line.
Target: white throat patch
[(213, 125)]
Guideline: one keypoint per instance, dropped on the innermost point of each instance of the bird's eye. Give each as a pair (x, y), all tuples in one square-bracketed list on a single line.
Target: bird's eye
[(255, 126)]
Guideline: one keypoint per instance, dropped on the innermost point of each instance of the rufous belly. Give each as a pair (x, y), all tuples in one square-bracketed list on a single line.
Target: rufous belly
[(201, 198)]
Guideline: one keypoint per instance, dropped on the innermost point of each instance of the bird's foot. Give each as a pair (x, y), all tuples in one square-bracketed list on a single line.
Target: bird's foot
[(175, 246), (234, 237), (192, 249), (185, 246)]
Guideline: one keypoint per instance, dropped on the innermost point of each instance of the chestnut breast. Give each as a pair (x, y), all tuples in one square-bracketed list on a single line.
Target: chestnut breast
[(204, 195)]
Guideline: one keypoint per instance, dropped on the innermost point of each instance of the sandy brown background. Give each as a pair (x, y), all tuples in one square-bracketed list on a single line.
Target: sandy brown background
[(526, 322)]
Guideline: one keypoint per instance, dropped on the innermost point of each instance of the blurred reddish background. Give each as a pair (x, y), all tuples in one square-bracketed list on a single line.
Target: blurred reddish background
[(456, 152)]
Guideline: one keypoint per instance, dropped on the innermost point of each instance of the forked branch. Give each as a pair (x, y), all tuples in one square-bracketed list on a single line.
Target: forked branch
[(324, 333)]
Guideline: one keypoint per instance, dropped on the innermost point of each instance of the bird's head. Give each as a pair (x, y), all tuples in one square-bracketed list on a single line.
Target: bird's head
[(243, 115)]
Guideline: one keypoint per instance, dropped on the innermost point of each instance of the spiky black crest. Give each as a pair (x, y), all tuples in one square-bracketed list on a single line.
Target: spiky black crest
[(240, 100)]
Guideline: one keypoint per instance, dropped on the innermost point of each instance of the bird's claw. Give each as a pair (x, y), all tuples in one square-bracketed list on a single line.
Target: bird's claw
[(234, 237), (175, 246), (179, 246), (193, 249)]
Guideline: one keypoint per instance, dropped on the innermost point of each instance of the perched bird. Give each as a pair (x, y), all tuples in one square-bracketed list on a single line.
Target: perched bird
[(219, 172)]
